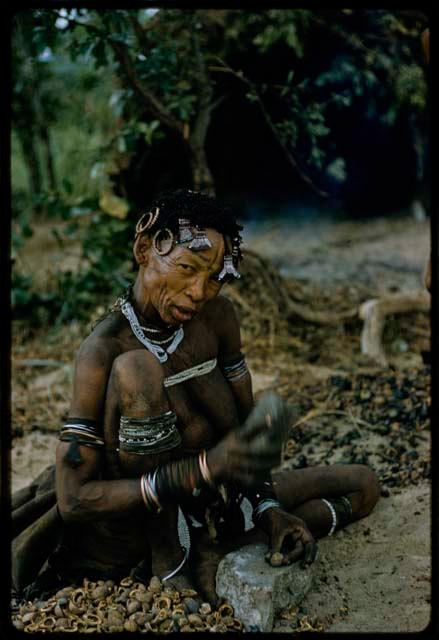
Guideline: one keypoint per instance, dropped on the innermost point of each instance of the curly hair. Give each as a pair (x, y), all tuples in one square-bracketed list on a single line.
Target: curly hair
[(200, 209)]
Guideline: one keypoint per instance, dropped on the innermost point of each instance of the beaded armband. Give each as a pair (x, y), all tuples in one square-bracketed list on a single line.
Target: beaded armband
[(145, 436), (236, 370)]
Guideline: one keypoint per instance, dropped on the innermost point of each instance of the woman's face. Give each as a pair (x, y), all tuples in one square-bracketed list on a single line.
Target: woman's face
[(181, 282)]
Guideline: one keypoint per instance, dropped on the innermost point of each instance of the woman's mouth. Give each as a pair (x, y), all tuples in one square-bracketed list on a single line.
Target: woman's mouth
[(183, 314)]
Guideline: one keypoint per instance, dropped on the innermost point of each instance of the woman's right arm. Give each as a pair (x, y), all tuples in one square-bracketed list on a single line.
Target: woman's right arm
[(244, 455), (82, 494)]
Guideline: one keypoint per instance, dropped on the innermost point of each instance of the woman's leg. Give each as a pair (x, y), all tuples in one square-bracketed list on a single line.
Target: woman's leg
[(135, 390), (302, 492)]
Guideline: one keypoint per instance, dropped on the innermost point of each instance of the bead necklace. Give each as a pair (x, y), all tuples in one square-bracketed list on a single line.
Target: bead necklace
[(161, 353)]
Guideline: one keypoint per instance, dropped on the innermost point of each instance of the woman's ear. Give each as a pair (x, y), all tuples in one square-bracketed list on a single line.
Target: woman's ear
[(141, 249)]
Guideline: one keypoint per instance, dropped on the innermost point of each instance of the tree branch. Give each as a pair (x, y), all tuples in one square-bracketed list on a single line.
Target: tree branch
[(375, 311), (138, 30), (289, 155), (204, 92), (152, 103)]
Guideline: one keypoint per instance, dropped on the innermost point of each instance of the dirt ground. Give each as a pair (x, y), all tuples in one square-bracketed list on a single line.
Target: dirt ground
[(376, 574)]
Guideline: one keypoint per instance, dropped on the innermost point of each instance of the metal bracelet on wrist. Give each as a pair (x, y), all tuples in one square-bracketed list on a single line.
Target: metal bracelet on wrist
[(268, 503)]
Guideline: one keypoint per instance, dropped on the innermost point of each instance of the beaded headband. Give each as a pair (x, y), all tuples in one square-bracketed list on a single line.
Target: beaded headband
[(198, 241)]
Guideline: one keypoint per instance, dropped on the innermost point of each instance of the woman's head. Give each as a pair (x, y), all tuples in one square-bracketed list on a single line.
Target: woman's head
[(187, 246)]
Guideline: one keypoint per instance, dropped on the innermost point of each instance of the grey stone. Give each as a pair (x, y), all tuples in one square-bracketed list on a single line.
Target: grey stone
[(257, 591)]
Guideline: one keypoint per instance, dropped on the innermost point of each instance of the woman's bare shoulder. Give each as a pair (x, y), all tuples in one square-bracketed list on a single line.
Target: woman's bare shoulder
[(220, 315), (104, 343)]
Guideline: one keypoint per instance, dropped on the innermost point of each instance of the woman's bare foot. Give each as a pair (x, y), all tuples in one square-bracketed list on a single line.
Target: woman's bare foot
[(205, 558)]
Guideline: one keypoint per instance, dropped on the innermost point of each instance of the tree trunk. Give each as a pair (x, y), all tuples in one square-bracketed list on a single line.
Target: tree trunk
[(201, 173), (30, 156), (48, 154)]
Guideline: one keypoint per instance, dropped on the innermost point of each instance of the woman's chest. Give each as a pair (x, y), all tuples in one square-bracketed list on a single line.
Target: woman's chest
[(196, 390)]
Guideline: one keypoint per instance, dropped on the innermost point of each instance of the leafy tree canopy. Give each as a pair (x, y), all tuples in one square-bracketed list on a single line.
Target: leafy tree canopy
[(163, 76)]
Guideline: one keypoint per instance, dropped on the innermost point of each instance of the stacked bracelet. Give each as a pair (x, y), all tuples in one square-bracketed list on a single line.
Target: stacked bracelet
[(204, 469), (149, 492), (175, 481), (347, 502), (268, 503), (236, 371), (333, 514)]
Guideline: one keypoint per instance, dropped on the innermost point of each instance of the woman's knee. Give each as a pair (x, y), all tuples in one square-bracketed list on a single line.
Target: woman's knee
[(369, 490), (137, 378)]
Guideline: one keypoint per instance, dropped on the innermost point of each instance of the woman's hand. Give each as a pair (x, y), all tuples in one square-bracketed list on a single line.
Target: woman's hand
[(247, 454), (289, 538)]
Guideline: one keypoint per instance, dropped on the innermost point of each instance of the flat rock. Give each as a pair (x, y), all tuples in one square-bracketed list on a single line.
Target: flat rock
[(258, 591)]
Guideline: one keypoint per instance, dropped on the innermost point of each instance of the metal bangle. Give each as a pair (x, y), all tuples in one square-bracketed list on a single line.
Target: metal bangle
[(268, 503), (333, 514), (142, 489), (149, 493), (151, 490), (204, 469), (177, 569), (347, 503)]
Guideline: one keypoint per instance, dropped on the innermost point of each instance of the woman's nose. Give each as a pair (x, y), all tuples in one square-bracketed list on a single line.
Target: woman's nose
[(197, 289)]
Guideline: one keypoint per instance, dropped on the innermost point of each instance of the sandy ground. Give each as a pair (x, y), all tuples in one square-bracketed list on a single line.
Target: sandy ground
[(375, 575), (30, 456), (387, 254)]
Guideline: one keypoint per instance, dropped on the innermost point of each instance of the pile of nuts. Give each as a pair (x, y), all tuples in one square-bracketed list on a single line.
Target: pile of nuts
[(381, 420), (105, 606)]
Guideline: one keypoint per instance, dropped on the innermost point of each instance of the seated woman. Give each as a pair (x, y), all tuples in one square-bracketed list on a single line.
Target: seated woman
[(163, 423)]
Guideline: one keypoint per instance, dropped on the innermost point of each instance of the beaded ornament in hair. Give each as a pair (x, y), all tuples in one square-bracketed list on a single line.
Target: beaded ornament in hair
[(231, 261), (200, 241), (184, 231)]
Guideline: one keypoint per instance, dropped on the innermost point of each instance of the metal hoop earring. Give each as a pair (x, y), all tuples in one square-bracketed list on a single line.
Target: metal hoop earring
[(168, 249), (152, 217)]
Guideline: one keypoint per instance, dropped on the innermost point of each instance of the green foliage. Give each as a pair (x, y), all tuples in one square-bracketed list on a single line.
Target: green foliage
[(287, 27), (337, 169), (104, 271), (171, 55), (106, 83), (70, 100), (105, 268), (21, 292), (410, 87)]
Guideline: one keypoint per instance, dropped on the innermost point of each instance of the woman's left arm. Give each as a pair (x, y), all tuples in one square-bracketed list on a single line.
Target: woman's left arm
[(231, 360)]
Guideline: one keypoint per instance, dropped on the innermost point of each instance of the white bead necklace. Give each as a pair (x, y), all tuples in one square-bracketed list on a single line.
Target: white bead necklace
[(153, 346)]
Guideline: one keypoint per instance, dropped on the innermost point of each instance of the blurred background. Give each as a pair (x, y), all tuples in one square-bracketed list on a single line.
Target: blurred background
[(296, 117)]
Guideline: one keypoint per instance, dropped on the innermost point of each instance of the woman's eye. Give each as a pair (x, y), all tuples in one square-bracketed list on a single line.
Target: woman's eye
[(186, 267)]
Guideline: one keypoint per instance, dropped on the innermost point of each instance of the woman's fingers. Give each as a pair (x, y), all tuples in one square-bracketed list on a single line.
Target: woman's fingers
[(311, 549), (295, 554)]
